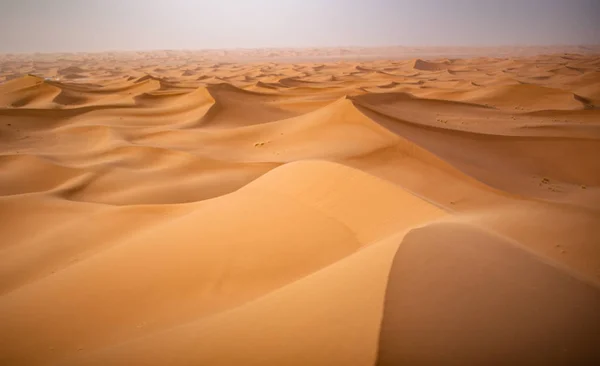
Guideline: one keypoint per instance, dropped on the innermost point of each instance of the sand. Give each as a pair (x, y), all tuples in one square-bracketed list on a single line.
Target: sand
[(422, 206)]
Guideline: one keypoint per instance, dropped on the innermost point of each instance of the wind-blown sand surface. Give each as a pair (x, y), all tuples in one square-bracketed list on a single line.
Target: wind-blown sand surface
[(179, 208)]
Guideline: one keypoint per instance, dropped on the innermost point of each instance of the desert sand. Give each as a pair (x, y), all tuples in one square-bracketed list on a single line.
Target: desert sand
[(301, 207)]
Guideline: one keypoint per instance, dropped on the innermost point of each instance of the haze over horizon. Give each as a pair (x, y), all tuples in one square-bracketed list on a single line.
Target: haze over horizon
[(75, 25)]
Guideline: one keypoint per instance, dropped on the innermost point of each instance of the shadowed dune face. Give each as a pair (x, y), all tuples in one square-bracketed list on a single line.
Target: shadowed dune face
[(458, 295), (182, 208)]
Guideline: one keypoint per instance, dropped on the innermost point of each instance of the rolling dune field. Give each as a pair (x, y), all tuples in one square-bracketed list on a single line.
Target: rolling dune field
[(288, 207)]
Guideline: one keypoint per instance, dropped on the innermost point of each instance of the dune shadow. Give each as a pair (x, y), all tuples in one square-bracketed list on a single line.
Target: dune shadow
[(458, 295), (517, 156)]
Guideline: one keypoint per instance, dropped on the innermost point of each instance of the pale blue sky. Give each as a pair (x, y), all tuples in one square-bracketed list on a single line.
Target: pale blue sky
[(97, 25)]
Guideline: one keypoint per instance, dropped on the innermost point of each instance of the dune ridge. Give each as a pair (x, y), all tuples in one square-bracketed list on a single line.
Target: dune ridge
[(300, 207)]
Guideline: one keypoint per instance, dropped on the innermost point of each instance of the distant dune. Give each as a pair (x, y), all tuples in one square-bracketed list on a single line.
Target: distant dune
[(419, 64), (355, 206)]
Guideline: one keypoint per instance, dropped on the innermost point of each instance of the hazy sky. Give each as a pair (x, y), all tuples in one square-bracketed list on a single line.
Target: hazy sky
[(96, 25)]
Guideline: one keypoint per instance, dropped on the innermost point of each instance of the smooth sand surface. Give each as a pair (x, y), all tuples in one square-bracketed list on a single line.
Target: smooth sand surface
[(301, 207)]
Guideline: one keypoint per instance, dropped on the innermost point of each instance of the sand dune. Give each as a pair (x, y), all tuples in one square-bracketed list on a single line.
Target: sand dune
[(499, 303), (419, 64), (298, 207)]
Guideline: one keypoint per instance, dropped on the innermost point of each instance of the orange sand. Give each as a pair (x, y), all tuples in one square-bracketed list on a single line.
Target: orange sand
[(295, 207)]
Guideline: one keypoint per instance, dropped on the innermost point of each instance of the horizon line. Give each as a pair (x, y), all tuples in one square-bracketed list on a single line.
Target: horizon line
[(457, 46)]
